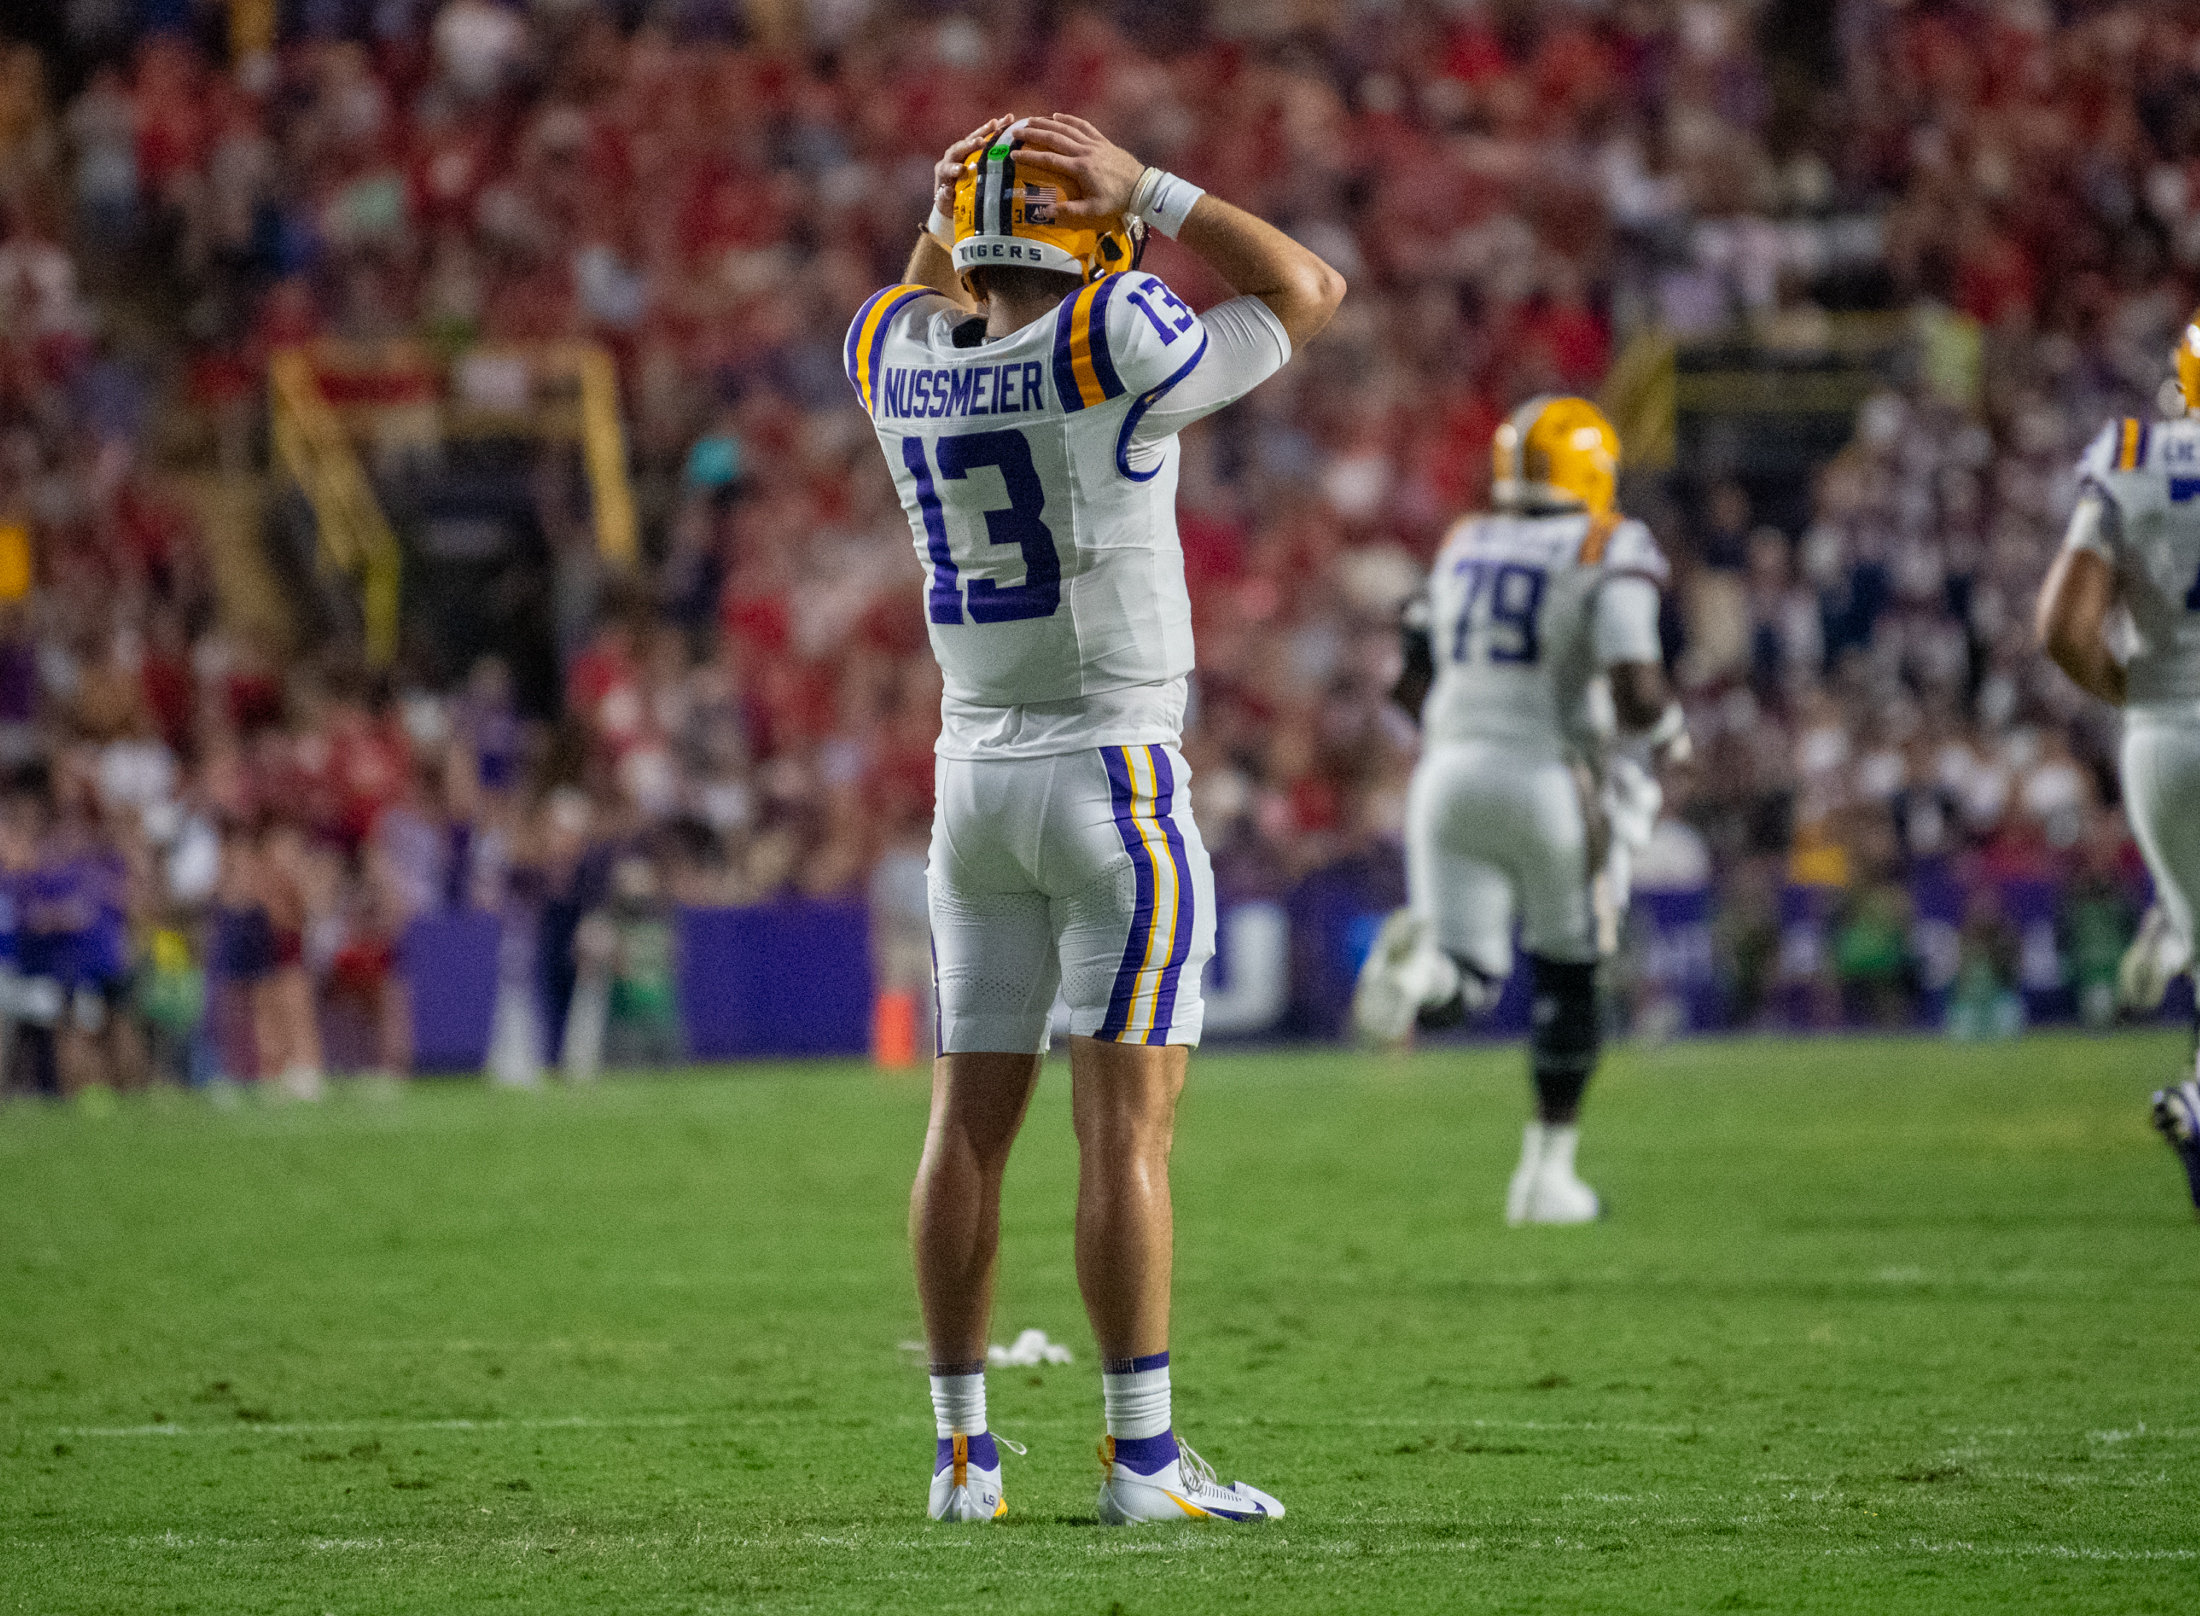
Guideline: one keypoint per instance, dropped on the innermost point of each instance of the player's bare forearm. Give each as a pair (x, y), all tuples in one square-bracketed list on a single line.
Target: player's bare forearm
[(931, 260), (1258, 260), (931, 265), (1639, 694), (2074, 605)]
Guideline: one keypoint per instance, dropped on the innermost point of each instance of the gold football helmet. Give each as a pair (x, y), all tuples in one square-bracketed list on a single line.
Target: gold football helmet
[(2188, 364), (1005, 214), (1558, 452)]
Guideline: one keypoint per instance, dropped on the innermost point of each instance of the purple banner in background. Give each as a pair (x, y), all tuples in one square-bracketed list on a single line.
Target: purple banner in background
[(780, 979), (450, 966), (795, 978)]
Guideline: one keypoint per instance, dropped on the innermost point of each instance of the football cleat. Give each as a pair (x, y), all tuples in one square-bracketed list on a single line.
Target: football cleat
[(1402, 972), (2177, 1117), (1545, 1188), (966, 1478), (1182, 1487), (2156, 957), (1523, 1179)]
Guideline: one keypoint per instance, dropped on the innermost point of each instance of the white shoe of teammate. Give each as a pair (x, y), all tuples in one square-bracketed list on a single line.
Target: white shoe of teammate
[(1402, 972), (1182, 1489), (2156, 957), (1545, 1188), (966, 1478)]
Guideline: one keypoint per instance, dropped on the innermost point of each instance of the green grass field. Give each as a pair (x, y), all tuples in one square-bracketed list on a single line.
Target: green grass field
[(1882, 1326)]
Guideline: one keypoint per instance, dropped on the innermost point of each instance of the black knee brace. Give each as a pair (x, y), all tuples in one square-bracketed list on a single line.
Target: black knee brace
[(1565, 1035)]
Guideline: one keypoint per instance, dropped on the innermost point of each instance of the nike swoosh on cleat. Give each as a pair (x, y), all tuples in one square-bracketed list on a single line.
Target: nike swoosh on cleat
[(1002, 1510), (1185, 1505)]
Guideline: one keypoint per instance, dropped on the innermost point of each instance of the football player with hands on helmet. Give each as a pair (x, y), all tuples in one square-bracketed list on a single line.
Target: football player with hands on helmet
[(1534, 665), (2131, 560), (1027, 380)]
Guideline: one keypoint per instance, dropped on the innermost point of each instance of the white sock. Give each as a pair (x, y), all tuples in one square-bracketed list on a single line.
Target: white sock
[(1135, 1393), (958, 1404), (1559, 1140)]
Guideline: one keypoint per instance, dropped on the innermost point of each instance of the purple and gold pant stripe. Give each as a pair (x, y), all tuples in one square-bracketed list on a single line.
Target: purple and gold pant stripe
[(1143, 787)]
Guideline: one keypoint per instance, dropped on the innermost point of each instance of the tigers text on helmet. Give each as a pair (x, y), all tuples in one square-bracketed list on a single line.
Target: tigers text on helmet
[(2187, 360), (1005, 215), (1556, 452)]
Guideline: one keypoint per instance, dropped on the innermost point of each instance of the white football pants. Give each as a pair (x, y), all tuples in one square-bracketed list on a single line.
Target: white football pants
[(2161, 776), (1491, 830), (1083, 872)]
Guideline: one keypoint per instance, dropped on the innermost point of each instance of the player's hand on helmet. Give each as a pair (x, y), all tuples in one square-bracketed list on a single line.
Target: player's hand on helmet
[(948, 170), (1104, 171)]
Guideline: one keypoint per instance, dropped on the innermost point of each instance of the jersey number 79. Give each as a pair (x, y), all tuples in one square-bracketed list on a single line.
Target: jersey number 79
[(1017, 523), (1513, 593)]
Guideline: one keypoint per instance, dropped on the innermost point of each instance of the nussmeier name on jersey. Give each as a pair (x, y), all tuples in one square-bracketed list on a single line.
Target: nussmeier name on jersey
[(1038, 473), (1526, 613), (2140, 512)]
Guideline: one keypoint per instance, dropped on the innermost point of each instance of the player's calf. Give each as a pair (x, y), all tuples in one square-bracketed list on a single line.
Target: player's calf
[(1564, 1043)]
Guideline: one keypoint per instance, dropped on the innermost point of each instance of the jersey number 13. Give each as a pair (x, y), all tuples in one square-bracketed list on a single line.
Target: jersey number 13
[(1018, 523)]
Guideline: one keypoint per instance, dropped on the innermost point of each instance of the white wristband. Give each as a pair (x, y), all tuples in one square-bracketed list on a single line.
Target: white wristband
[(940, 227), (1163, 200)]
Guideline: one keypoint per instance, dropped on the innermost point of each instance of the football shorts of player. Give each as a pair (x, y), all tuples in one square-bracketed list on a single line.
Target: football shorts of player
[(1493, 833), (1082, 873)]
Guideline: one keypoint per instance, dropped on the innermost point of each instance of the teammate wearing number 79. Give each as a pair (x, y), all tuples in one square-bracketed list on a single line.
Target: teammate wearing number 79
[(1545, 718), (1027, 381)]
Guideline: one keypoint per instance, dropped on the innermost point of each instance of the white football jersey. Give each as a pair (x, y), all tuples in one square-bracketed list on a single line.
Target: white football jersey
[(1519, 629), (2146, 477), (1039, 474)]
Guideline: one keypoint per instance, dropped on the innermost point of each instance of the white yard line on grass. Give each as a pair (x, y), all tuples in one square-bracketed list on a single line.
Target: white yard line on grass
[(563, 1422), (1436, 1426)]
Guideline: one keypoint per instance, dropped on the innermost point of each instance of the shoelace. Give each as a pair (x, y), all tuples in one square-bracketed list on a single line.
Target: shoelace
[(1199, 1476)]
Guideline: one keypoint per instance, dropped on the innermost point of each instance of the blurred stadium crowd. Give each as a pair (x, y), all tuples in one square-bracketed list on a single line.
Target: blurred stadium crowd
[(214, 838)]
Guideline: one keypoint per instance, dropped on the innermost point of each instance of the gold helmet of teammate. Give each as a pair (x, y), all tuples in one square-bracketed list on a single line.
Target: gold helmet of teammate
[(1004, 215), (2188, 363), (1556, 452)]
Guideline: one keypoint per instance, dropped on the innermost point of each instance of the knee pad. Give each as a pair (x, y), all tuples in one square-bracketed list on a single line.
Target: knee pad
[(1564, 1031)]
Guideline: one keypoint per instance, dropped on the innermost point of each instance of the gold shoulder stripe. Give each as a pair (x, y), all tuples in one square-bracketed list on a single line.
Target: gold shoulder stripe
[(1599, 536)]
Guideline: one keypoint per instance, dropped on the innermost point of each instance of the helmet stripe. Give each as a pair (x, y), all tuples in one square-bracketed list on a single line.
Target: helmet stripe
[(1008, 191)]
